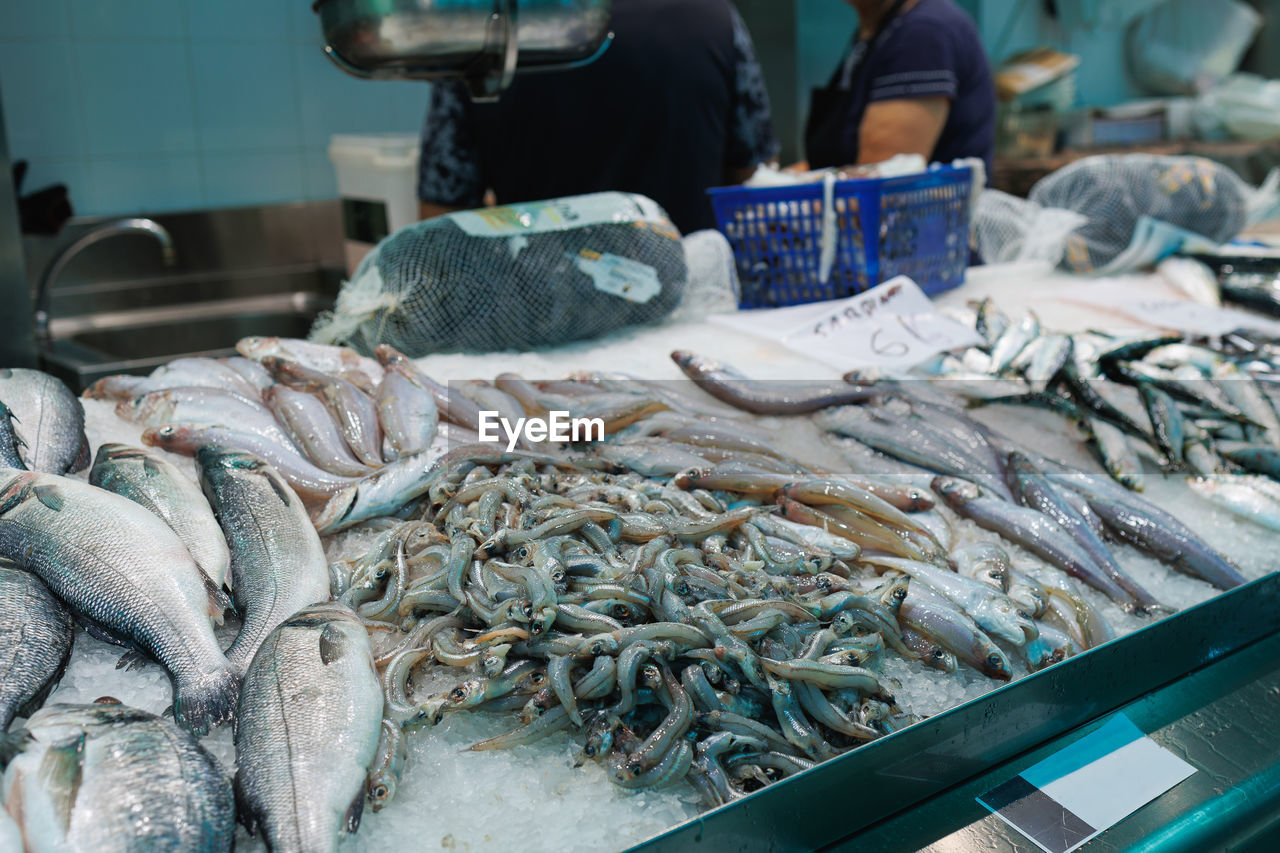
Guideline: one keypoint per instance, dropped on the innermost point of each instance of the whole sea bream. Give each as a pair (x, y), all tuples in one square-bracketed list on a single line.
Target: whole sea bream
[(277, 562), (115, 779), (150, 480), (125, 573), (307, 730), (36, 633), (48, 420)]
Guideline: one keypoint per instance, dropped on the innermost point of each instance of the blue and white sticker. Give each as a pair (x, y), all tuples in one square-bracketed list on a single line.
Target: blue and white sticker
[(619, 276), (1081, 791)]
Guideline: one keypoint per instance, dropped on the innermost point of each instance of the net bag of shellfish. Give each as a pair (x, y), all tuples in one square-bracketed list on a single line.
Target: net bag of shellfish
[(1095, 215), (518, 277)]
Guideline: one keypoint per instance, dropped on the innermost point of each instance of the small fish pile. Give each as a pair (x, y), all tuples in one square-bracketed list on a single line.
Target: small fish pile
[(1203, 406), (720, 612)]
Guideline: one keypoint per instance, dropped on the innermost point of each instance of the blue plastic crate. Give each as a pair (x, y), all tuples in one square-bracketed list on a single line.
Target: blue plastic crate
[(914, 225)]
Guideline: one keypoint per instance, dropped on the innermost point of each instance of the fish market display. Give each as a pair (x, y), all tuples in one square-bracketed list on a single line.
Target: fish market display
[(307, 730), (123, 571), (42, 420), (35, 642), (713, 592), (105, 777)]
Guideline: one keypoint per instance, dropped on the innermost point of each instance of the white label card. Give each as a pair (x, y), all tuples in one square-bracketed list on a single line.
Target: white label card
[(892, 325), (1083, 790), (1161, 312)]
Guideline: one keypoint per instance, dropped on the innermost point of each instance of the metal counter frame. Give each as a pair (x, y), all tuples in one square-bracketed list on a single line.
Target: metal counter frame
[(840, 797)]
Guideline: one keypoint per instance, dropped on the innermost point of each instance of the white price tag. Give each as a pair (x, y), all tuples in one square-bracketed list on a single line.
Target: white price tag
[(1161, 312), (892, 325)]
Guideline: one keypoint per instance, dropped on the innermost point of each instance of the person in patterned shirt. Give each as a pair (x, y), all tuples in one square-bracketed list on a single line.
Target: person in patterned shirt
[(676, 104)]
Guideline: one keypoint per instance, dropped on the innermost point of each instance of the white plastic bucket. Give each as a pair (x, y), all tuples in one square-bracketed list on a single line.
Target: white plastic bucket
[(377, 182)]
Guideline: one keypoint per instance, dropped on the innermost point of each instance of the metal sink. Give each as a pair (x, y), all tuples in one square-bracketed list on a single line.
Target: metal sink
[(254, 271)]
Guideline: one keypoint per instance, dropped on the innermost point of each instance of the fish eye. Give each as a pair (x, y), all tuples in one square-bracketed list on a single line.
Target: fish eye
[(520, 553), (538, 677), (939, 654), (457, 694), (380, 791), (589, 750), (634, 768), (995, 661)]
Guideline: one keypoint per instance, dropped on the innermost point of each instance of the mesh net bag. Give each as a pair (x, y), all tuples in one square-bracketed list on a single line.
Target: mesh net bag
[(515, 277), (1110, 194)]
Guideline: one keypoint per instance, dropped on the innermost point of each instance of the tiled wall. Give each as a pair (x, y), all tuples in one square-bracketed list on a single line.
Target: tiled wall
[(151, 105)]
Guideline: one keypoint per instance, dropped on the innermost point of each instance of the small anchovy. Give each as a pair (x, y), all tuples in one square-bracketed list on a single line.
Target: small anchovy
[(935, 617), (766, 398), (1248, 496), (1150, 528), (313, 430), (1012, 342), (1034, 531), (1038, 493), (352, 408), (1166, 424)]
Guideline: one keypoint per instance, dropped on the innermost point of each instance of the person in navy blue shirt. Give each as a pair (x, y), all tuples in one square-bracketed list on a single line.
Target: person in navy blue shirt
[(914, 81)]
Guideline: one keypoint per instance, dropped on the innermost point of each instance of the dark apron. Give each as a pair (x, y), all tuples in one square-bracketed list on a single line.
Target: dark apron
[(829, 107)]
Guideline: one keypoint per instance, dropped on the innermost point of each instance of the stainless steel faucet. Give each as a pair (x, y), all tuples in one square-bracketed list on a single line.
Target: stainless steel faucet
[(94, 235)]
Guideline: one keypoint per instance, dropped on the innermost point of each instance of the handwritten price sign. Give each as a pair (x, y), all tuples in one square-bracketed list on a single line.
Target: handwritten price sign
[(892, 326)]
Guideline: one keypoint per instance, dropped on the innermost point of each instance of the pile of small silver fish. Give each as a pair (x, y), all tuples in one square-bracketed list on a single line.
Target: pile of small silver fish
[(695, 603), (1196, 405)]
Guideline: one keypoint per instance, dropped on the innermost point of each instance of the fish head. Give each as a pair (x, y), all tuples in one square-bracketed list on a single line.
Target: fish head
[(955, 491), (178, 438), (388, 355), (158, 406), (995, 665), (689, 478), (213, 458)]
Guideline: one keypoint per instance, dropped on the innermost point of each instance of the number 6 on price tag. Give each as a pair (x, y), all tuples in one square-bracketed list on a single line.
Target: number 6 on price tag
[(893, 326)]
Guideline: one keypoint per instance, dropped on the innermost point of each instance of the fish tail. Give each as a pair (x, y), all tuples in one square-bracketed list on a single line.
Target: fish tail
[(206, 699)]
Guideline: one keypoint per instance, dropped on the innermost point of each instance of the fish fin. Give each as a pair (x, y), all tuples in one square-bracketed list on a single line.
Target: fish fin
[(219, 601), (333, 644), (49, 496), (278, 486), (13, 497), (132, 660), (83, 457), (150, 466), (354, 813), (246, 814), (206, 699), (60, 775), (100, 633), (12, 743)]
